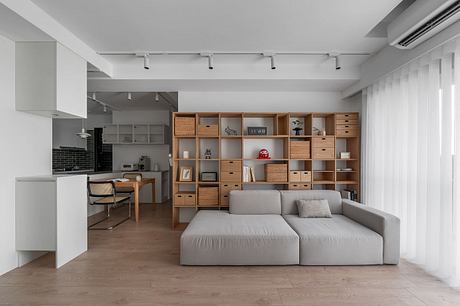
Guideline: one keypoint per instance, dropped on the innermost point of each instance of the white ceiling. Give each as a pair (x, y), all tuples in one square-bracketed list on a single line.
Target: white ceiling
[(139, 101), (224, 25)]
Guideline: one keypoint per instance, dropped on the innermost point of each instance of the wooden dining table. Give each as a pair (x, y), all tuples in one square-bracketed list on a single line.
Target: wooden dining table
[(137, 185)]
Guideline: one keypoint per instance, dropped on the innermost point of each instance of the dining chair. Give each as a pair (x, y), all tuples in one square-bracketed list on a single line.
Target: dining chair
[(104, 193), (131, 176)]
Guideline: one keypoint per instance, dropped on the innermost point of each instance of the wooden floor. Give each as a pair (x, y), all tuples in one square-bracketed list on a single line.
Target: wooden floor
[(138, 265)]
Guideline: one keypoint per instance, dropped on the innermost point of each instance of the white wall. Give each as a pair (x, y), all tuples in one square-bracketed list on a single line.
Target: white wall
[(131, 153), (265, 102), (26, 151)]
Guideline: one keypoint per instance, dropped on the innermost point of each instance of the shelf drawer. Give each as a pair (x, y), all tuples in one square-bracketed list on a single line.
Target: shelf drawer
[(323, 153), (184, 126), (208, 130), (345, 116), (305, 176), (276, 172), (208, 195), (300, 149), (226, 188), (230, 176), (297, 186), (224, 200), (346, 121), (294, 176), (323, 142), (184, 198), (352, 132), (230, 165), (347, 126)]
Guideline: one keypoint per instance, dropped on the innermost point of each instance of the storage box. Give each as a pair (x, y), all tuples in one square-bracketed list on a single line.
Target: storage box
[(294, 176), (345, 116), (184, 199), (276, 172), (323, 153), (230, 165), (226, 188), (323, 142), (230, 176), (208, 196), (208, 130), (300, 149), (305, 176), (184, 126), (299, 186), (351, 132)]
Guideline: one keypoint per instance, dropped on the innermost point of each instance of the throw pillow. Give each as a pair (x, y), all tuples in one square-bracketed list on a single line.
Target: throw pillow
[(314, 209)]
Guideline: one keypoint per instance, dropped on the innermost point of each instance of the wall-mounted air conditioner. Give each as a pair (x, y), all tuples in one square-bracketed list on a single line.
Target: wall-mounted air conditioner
[(422, 20)]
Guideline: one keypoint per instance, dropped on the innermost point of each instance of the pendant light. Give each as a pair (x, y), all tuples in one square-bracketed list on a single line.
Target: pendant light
[(83, 134)]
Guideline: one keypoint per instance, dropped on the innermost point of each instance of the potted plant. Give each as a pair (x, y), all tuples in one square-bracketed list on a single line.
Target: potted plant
[(298, 126)]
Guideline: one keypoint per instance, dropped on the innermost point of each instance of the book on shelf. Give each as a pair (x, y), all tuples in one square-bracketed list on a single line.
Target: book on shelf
[(248, 174), (253, 176)]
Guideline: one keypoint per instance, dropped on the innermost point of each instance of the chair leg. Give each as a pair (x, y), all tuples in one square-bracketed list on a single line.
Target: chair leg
[(129, 208), (91, 227)]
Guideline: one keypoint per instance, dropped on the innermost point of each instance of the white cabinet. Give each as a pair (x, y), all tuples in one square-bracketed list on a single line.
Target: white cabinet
[(51, 215), (135, 134), (50, 80)]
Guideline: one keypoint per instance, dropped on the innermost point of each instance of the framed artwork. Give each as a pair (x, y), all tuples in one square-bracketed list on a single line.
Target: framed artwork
[(209, 176), (257, 130), (185, 174)]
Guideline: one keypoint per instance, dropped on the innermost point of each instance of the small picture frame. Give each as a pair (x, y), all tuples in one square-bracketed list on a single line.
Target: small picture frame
[(186, 174), (257, 130), (345, 155), (208, 176)]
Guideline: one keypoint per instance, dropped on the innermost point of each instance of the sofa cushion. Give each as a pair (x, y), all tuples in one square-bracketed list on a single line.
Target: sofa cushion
[(289, 198), (255, 202), (313, 209), (336, 241), (220, 238)]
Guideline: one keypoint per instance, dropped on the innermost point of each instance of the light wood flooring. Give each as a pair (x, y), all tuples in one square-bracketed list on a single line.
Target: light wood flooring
[(138, 265)]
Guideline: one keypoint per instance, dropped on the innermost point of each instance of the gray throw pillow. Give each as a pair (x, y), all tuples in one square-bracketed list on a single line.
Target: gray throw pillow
[(314, 209)]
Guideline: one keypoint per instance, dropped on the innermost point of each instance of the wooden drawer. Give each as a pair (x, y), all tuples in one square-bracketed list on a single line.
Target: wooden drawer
[(276, 172), (294, 176), (184, 126), (347, 126), (346, 121), (184, 198), (353, 132), (208, 130), (323, 153), (346, 116), (323, 142), (208, 196), (305, 176), (226, 188), (297, 186), (230, 176), (230, 165), (300, 149), (224, 200)]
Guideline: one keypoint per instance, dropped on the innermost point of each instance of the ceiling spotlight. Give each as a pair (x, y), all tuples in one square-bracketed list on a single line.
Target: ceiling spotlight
[(146, 61), (336, 57), (210, 57), (94, 96), (129, 96), (105, 108), (157, 97), (271, 55)]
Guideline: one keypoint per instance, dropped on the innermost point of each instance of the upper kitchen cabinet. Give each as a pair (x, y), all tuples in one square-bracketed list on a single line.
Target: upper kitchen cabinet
[(50, 80)]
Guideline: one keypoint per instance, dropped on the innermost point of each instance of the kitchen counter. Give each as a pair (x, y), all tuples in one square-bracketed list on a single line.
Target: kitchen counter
[(91, 172)]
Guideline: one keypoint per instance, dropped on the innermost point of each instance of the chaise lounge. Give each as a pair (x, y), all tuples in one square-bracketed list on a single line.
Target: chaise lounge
[(263, 227)]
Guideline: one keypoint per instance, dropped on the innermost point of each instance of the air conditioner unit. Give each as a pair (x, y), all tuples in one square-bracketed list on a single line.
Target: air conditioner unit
[(422, 20)]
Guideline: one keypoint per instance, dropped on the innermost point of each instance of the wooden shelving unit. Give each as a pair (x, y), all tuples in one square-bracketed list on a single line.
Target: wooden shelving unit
[(317, 157)]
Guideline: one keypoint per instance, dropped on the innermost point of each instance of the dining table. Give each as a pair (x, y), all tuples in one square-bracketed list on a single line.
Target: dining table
[(137, 185)]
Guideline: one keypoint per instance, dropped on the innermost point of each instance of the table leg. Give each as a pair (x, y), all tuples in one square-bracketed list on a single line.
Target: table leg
[(136, 201), (153, 194)]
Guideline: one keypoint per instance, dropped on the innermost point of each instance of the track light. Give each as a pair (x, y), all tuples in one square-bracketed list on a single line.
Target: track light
[(336, 57), (105, 109), (272, 59), (210, 57), (129, 96), (157, 97), (146, 61), (93, 96)]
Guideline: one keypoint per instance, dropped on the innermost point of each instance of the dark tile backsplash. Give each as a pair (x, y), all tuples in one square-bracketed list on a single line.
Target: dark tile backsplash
[(71, 157)]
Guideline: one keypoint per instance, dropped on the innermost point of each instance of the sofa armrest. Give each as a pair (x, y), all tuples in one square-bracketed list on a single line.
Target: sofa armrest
[(380, 222)]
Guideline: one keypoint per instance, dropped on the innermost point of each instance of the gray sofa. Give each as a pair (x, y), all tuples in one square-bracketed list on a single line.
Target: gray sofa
[(263, 228)]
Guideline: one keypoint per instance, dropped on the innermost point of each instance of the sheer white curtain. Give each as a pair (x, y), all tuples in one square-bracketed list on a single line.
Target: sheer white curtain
[(412, 169)]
